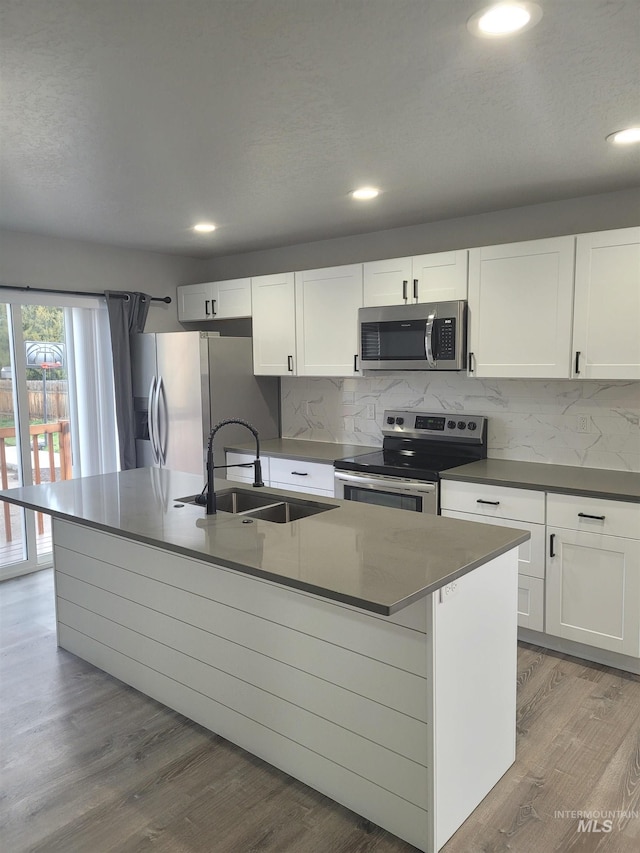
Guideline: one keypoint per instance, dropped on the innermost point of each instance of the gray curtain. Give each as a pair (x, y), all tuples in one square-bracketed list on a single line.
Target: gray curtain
[(127, 316)]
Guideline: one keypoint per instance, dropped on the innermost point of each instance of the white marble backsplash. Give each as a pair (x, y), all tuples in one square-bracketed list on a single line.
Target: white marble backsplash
[(530, 420)]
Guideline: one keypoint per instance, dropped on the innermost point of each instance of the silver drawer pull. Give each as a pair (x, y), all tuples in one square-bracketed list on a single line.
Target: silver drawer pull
[(301, 473), (491, 503), (586, 515)]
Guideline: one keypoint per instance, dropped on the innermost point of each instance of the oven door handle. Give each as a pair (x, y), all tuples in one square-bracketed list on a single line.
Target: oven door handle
[(382, 482), (428, 340)]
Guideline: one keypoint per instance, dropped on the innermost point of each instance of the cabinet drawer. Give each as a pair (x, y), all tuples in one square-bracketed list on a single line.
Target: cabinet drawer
[(301, 475), (493, 501), (301, 487), (531, 554), (592, 515), (245, 475)]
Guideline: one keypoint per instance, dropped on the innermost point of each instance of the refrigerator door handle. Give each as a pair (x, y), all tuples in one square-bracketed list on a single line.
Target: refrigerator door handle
[(151, 415), (163, 421)]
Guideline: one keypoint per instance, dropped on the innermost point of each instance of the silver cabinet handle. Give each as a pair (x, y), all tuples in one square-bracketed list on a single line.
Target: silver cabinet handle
[(428, 342)]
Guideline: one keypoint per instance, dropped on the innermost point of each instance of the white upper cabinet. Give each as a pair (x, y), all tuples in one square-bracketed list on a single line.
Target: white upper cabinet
[(214, 300), (437, 277), (274, 324), (327, 302), (606, 322), (520, 305)]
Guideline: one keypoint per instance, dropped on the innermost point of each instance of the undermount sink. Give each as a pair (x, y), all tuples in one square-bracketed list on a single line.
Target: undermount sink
[(253, 504)]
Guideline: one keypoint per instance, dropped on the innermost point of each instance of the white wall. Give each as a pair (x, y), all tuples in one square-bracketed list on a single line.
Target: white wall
[(572, 216), (529, 420), (52, 262)]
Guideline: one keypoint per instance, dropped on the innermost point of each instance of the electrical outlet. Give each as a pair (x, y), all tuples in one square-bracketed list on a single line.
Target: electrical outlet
[(371, 411), (448, 591), (583, 423)]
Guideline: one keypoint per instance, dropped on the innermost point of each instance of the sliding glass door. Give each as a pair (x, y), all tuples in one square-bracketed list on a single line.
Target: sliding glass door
[(56, 410)]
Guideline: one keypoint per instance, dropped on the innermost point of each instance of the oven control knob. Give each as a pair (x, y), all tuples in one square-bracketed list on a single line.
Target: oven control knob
[(451, 424), (399, 421), (461, 425), (472, 425), (391, 420)]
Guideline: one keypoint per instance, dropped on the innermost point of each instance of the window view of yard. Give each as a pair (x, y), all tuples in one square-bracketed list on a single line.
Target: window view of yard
[(46, 400)]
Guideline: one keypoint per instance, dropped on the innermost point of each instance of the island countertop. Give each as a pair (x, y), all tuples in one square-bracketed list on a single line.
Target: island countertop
[(370, 557)]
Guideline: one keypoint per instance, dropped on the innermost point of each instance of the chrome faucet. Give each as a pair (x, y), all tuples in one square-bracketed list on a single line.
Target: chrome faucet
[(257, 465)]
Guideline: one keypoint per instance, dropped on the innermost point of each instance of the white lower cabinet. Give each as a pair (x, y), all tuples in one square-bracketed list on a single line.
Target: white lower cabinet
[(291, 475), (593, 573), (506, 507), (578, 575)]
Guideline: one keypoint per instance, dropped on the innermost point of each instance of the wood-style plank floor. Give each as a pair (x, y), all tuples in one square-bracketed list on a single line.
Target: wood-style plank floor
[(89, 765)]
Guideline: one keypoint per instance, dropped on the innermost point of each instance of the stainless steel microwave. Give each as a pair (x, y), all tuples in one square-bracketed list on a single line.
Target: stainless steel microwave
[(421, 336)]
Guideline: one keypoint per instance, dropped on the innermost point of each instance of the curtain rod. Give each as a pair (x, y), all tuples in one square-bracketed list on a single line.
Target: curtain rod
[(166, 299)]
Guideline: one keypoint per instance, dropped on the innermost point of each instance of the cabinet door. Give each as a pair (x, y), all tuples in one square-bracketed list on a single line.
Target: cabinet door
[(194, 301), (231, 299), (530, 603), (387, 282), (593, 590), (520, 304), (606, 323), (327, 303), (439, 277), (274, 324)]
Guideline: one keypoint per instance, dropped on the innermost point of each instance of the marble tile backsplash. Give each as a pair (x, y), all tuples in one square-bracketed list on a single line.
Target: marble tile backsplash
[(530, 420)]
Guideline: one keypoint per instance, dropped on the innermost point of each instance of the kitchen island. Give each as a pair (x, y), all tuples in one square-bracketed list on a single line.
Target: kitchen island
[(368, 652)]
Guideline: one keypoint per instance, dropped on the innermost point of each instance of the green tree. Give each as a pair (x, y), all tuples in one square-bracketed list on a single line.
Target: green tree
[(39, 323)]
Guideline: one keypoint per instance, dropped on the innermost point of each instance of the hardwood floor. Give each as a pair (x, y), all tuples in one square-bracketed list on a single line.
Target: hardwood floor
[(89, 765)]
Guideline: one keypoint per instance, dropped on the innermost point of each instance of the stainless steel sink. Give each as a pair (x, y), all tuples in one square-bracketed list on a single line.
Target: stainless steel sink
[(254, 504)]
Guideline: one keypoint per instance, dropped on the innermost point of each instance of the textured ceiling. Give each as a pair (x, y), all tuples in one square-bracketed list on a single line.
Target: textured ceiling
[(126, 121)]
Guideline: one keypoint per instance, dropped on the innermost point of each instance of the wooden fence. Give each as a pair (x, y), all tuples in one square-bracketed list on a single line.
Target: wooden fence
[(57, 399), (62, 464)]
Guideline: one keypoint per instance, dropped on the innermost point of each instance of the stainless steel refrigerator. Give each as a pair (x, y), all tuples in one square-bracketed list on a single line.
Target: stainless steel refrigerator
[(183, 383)]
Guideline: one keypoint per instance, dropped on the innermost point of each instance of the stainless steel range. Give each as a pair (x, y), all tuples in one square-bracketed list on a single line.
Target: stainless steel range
[(416, 447)]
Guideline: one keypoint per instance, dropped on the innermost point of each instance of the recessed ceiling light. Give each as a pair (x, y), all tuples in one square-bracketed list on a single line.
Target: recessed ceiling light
[(204, 227), (504, 19), (625, 137), (365, 193)]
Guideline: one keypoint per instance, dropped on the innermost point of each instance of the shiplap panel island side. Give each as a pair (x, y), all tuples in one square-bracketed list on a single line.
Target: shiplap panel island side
[(368, 652)]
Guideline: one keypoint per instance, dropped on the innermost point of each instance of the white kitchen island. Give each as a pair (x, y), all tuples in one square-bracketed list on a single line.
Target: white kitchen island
[(370, 653)]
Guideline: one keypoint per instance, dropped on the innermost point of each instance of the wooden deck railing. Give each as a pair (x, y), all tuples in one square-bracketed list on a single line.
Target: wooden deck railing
[(35, 431)]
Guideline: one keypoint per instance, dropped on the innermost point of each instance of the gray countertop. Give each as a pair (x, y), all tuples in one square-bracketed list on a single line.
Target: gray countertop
[(371, 557), (307, 451), (587, 482)]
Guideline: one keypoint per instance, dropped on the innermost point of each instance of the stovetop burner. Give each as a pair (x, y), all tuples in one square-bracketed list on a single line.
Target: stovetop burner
[(419, 445)]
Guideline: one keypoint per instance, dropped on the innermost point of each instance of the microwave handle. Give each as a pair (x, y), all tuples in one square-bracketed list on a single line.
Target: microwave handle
[(428, 340)]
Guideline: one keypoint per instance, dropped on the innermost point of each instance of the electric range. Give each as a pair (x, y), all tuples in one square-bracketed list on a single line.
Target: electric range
[(416, 448)]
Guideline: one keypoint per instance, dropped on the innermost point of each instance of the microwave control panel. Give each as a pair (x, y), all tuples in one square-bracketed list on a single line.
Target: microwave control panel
[(445, 338)]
